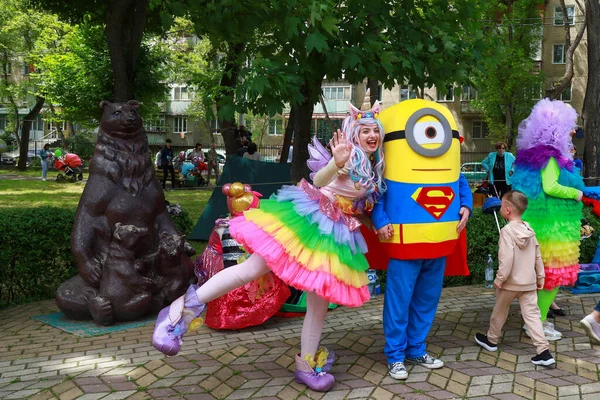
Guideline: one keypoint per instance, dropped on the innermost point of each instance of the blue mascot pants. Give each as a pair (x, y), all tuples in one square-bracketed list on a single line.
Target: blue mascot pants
[(412, 292)]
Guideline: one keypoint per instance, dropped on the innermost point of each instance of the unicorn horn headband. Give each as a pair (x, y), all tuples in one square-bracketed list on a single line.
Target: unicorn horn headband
[(370, 113)]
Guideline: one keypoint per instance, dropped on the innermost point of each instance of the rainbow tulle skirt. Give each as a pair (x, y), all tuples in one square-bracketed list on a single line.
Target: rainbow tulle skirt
[(557, 224), (308, 243)]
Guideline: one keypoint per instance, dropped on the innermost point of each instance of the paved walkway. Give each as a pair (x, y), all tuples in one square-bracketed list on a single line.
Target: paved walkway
[(41, 362)]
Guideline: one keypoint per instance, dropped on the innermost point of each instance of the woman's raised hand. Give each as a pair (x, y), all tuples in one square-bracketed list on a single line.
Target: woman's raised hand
[(340, 149)]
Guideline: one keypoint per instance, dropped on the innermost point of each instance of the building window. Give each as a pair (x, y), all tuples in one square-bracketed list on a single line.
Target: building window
[(50, 126), (275, 126), (336, 93), (538, 51), (535, 91), (407, 92), (480, 130), (468, 93), (558, 54), (37, 124), (448, 96), (567, 94), (2, 123), (180, 93), (155, 125), (558, 15), (180, 125)]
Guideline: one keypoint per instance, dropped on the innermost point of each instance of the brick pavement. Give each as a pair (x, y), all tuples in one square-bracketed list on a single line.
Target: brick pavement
[(41, 362)]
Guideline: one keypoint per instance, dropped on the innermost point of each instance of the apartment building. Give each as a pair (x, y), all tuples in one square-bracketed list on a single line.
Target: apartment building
[(42, 131), (550, 60)]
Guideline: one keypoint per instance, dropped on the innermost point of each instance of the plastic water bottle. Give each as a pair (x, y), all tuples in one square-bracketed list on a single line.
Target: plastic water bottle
[(489, 272), (372, 275)]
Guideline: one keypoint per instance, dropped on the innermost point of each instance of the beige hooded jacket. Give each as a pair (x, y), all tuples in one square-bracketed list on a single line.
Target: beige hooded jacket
[(520, 266)]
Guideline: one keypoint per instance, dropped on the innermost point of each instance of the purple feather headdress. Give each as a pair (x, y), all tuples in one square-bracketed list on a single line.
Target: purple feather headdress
[(549, 125)]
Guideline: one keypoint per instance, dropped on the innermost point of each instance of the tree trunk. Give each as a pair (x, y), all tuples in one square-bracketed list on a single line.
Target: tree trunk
[(16, 127), (373, 86), (302, 121), (11, 100), (591, 104), (288, 136), (229, 81), (125, 22), (27, 121)]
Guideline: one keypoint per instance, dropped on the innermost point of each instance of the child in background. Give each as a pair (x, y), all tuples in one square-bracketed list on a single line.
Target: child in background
[(520, 274)]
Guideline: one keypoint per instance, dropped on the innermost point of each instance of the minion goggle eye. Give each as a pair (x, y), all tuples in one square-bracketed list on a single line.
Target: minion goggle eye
[(427, 138)]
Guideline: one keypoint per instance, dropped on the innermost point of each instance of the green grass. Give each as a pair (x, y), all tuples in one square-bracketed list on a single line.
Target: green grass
[(35, 193), (34, 172), (28, 193)]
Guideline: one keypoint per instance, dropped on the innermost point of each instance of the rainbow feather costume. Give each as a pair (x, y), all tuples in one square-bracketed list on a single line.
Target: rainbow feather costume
[(545, 172)]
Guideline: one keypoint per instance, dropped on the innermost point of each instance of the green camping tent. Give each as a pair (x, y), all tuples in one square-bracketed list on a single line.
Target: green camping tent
[(265, 178)]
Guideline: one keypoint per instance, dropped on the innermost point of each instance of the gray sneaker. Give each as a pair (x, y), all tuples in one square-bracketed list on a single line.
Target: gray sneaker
[(426, 361), (592, 328), (398, 370)]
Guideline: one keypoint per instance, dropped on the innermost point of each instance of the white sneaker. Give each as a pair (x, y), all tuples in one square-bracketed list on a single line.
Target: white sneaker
[(398, 370), (550, 334), (43, 179), (549, 329)]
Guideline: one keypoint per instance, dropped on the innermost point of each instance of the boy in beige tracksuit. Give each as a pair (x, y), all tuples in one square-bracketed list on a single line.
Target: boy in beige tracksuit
[(520, 275)]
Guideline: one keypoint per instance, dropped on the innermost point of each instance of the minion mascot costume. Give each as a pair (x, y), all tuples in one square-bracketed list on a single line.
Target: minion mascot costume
[(417, 220)]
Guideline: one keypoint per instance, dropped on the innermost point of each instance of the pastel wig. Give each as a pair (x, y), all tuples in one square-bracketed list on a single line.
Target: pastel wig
[(549, 125), (365, 171)]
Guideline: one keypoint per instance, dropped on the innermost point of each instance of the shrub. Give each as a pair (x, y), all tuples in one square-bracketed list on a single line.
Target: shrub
[(35, 251), (82, 145), (35, 256)]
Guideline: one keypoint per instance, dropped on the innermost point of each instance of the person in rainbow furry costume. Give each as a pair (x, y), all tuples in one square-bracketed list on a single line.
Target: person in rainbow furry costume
[(544, 171), (308, 236)]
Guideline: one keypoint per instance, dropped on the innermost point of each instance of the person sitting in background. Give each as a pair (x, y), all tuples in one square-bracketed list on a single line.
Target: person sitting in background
[(197, 152), (253, 153), (499, 166)]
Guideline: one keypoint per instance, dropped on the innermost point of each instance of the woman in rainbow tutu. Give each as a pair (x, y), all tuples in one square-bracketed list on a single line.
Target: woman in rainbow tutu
[(545, 172), (309, 236)]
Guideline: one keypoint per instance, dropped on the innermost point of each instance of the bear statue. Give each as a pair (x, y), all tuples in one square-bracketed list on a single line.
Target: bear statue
[(122, 214)]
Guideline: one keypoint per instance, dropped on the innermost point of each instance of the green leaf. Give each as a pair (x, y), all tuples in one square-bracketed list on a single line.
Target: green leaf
[(166, 20), (351, 60), (329, 23), (316, 41)]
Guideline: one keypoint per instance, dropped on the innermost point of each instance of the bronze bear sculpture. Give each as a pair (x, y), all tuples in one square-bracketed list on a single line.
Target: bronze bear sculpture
[(122, 190)]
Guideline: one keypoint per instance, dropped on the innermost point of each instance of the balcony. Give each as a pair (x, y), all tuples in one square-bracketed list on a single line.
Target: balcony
[(466, 107)]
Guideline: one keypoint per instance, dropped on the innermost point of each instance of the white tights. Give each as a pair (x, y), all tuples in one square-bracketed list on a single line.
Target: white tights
[(253, 268)]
